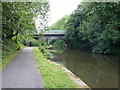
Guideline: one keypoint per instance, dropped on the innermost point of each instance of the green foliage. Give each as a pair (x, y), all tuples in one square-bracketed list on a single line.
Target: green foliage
[(8, 46), (18, 22), (95, 25), (60, 24), (31, 39), (47, 54), (102, 48), (59, 44), (43, 48), (35, 42)]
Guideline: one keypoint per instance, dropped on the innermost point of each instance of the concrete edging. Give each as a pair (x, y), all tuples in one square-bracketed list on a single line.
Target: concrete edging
[(72, 76)]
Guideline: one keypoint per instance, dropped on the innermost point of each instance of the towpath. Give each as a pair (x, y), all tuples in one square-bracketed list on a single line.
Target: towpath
[(22, 72)]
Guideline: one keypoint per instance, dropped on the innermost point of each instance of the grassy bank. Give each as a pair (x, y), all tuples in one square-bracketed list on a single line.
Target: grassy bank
[(7, 59), (52, 75)]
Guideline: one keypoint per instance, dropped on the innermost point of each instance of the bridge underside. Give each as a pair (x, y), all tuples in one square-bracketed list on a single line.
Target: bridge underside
[(50, 38), (54, 35)]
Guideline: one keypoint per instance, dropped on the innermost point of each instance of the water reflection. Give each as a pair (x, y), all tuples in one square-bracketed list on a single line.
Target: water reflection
[(97, 71)]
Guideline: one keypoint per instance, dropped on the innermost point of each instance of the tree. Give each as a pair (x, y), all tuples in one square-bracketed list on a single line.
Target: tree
[(95, 24), (59, 25), (18, 20)]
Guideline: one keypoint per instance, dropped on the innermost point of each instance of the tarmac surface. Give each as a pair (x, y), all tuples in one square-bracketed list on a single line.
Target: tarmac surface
[(22, 72)]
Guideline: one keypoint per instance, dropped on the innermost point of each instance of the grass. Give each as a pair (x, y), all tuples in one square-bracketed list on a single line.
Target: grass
[(52, 75), (7, 59)]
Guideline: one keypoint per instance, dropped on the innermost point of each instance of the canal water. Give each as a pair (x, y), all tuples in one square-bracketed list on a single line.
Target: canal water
[(97, 71)]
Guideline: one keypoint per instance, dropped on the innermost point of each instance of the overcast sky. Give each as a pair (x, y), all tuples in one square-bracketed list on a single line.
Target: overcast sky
[(60, 8)]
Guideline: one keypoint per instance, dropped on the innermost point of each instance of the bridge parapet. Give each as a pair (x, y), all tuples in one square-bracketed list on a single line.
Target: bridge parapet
[(54, 32)]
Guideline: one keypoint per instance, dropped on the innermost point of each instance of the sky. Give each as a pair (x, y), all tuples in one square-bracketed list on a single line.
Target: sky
[(60, 8)]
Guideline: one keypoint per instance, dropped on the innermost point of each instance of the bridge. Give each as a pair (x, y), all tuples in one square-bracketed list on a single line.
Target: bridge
[(50, 35)]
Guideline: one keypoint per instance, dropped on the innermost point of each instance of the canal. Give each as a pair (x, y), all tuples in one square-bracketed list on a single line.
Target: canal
[(97, 71)]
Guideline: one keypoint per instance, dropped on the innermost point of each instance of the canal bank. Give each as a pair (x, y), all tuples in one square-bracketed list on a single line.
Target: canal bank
[(55, 75)]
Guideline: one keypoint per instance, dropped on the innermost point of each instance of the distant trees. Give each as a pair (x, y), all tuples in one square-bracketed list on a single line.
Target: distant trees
[(60, 24), (18, 21)]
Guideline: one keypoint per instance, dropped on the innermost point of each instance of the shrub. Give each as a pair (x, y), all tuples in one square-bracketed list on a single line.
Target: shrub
[(43, 49), (34, 42), (59, 44), (102, 50)]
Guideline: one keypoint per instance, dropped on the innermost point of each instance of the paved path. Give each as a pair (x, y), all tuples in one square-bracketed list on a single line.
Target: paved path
[(22, 72)]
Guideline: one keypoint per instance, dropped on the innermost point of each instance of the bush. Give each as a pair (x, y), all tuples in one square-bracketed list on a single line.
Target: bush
[(34, 42), (10, 46), (47, 54), (102, 48), (43, 49), (59, 44)]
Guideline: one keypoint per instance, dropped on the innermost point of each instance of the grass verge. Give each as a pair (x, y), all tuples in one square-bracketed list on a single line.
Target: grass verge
[(9, 58), (52, 75)]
